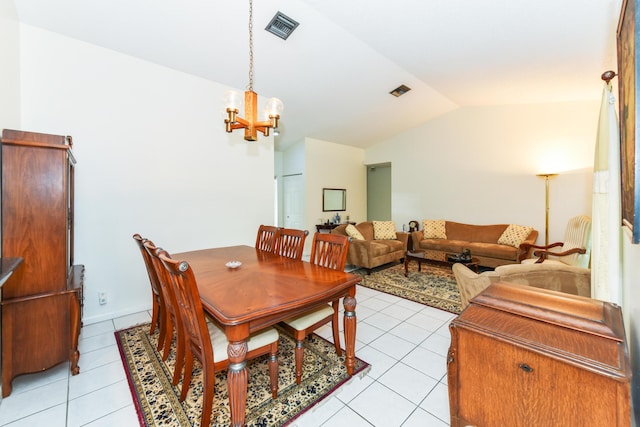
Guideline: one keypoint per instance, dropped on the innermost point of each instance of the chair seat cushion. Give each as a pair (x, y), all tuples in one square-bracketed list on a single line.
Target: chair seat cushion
[(219, 340), (303, 321)]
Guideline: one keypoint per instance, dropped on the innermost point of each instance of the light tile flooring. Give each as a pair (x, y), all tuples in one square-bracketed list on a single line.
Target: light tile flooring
[(405, 342)]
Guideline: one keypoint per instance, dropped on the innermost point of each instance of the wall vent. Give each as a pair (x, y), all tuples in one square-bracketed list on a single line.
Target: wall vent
[(281, 25)]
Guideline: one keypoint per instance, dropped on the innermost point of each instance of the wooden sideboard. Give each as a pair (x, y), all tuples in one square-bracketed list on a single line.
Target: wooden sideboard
[(524, 356), (42, 299), (330, 226)]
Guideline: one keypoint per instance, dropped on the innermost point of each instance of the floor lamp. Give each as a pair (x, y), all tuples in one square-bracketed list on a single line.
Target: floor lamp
[(546, 177)]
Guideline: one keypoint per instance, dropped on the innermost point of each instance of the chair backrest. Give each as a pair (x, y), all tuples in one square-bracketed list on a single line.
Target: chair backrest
[(151, 272), (330, 250), (267, 238), (185, 289), (577, 235), (291, 243), (164, 282)]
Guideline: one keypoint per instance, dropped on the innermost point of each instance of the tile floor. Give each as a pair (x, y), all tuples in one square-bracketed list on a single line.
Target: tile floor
[(405, 342)]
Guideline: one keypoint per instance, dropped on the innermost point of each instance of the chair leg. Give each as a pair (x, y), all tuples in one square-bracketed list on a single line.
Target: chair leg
[(154, 316), (162, 326), (273, 369), (299, 359), (168, 337), (177, 370), (336, 331), (207, 395), (188, 369)]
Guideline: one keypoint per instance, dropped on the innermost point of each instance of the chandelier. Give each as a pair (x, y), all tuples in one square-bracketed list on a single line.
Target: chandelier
[(251, 122)]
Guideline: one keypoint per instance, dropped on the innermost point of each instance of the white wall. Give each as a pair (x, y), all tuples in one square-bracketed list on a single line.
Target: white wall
[(478, 165), (331, 165), (327, 165), (10, 66), (153, 158)]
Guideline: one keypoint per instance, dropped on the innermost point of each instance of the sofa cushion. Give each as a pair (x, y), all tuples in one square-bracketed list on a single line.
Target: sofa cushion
[(383, 247), (384, 230), (514, 235), (491, 250), (434, 229), (352, 231)]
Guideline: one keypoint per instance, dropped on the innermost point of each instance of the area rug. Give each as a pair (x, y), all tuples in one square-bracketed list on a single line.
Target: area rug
[(157, 400), (433, 286)]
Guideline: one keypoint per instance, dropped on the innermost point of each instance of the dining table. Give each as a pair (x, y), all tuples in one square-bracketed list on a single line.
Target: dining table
[(244, 290)]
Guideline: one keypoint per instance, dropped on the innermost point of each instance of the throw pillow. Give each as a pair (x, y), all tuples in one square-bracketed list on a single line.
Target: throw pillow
[(514, 235), (384, 230), (434, 229), (352, 231)]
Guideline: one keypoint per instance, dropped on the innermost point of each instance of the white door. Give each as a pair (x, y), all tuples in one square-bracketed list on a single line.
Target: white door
[(293, 201)]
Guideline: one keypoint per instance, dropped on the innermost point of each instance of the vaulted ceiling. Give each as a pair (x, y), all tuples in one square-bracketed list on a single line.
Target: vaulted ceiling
[(335, 71)]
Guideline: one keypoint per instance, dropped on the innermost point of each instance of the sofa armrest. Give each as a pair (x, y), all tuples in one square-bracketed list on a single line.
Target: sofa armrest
[(470, 283), (526, 247), (340, 230), (403, 237), (416, 237)]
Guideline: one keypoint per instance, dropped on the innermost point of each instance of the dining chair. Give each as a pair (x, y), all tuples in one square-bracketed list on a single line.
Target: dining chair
[(172, 317), (158, 310), (330, 251), (205, 341), (267, 238), (291, 243)]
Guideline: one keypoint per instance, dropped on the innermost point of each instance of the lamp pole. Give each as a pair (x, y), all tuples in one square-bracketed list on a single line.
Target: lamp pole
[(546, 177)]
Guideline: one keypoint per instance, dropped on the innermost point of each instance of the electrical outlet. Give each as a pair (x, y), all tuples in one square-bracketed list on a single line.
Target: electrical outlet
[(102, 298)]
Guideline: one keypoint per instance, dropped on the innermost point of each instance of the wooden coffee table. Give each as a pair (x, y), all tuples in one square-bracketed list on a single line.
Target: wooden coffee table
[(435, 258)]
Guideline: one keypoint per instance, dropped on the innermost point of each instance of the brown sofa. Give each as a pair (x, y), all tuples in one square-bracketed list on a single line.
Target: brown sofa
[(567, 279), (482, 240), (370, 253)]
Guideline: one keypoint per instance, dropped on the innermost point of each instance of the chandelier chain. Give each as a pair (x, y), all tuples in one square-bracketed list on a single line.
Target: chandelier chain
[(250, 86)]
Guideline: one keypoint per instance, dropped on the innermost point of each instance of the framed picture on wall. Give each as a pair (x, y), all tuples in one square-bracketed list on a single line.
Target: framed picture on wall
[(627, 45)]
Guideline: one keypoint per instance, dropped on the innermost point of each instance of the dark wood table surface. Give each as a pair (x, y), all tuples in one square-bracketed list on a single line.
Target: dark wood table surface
[(263, 291)]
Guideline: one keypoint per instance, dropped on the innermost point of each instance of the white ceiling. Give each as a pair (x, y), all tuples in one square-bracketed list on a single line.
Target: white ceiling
[(335, 72)]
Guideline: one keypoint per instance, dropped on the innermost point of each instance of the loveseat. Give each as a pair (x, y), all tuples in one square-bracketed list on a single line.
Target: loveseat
[(492, 245), (555, 277), (371, 247)]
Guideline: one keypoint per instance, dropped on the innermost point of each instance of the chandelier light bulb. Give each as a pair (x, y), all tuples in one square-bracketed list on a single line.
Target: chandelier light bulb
[(274, 107), (232, 100)]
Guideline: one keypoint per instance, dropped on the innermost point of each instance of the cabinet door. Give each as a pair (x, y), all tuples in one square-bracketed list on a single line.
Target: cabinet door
[(502, 384), (35, 222)]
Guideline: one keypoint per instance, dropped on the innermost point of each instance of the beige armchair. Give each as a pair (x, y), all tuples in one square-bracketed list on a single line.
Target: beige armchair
[(575, 250), (552, 276)]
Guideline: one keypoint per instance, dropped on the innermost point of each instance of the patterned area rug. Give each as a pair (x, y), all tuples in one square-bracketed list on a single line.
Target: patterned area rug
[(157, 400), (433, 286)]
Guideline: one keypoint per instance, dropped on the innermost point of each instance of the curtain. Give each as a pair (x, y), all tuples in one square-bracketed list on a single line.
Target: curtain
[(606, 213)]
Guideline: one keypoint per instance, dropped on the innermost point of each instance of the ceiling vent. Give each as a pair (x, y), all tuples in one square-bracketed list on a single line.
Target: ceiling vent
[(400, 90), (281, 25)]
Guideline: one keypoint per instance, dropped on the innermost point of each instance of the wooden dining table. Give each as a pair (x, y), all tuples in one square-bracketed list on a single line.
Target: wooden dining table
[(263, 290)]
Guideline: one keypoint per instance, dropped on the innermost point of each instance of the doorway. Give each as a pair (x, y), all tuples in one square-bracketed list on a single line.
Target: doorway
[(379, 192), (293, 201)]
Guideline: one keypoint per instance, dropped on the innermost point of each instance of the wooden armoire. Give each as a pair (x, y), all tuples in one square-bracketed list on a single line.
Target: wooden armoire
[(525, 356), (42, 300)]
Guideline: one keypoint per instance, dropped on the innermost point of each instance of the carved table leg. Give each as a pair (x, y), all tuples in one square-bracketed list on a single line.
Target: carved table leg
[(237, 376), (350, 332)]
